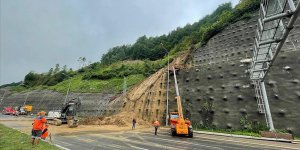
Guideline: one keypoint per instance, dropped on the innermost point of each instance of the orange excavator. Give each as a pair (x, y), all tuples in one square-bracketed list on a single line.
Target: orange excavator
[(179, 125)]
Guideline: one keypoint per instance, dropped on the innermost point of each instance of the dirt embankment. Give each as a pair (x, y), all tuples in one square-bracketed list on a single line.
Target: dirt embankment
[(145, 102), (123, 119), (24, 124)]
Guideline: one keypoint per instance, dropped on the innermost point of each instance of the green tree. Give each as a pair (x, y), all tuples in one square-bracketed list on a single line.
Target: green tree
[(50, 72), (57, 69), (65, 68), (31, 79)]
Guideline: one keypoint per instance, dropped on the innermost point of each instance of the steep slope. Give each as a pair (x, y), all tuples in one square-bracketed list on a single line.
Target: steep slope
[(215, 86), (217, 91), (147, 100)]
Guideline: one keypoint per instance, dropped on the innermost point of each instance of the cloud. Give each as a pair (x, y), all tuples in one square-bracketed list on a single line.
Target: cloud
[(37, 34)]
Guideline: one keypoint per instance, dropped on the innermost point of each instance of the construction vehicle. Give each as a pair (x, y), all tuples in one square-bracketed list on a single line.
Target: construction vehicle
[(9, 111), (179, 125), (24, 110), (66, 115)]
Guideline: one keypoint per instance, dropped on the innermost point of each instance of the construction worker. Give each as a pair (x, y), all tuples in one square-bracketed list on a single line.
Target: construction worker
[(156, 125), (133, 123), (37, 127), (45, 132)]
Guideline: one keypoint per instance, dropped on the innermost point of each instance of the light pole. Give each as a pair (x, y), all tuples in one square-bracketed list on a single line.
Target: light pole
[(167, 110), (26, 99)]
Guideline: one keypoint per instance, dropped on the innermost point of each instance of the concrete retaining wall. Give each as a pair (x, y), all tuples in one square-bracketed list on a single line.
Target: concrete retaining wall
[(217, 90), (91, 103)]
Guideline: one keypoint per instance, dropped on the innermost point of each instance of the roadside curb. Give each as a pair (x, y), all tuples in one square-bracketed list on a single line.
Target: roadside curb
[(247, 137)]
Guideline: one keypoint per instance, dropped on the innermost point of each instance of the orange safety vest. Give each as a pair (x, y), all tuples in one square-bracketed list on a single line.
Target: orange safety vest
[(38, 123), (45, 133)]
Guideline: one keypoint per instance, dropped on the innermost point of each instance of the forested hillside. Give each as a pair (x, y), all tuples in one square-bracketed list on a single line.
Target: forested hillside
[(181, 38), (115, 64)]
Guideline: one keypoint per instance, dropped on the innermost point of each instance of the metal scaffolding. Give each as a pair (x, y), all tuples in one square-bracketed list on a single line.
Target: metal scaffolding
[(276, 20)]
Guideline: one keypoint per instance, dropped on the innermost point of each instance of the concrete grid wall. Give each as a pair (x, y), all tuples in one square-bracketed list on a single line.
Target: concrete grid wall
[(91, 103), (217, 90)]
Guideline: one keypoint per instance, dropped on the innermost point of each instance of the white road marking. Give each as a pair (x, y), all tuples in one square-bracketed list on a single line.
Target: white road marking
[(189, 143), (157, 145), (115, 146), (136, 147), (126, 141), (61, 147), (242, 143), (251, 144), (214, 141), (62, 142), (86, 140)]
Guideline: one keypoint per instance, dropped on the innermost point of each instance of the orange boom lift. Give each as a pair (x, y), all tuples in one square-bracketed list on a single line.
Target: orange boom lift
[(179, 125)]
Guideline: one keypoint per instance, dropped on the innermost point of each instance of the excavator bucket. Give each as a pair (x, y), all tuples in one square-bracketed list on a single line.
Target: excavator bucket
[(72, 123)]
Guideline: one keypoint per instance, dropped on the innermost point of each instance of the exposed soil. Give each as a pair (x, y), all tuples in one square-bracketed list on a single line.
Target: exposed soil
[(112, 124), (123, 119)]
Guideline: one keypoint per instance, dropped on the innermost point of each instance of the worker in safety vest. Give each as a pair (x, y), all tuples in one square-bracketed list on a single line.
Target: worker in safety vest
[(156, 125), (45, 132), (37, 127)]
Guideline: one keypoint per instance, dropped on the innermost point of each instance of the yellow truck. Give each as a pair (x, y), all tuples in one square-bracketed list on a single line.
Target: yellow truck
[(24, 110)]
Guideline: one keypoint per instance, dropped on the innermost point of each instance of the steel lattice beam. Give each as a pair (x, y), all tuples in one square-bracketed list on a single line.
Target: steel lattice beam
[(271, 34)]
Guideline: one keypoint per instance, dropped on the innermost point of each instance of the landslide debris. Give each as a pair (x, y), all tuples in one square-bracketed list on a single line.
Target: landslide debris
[(122, 119)]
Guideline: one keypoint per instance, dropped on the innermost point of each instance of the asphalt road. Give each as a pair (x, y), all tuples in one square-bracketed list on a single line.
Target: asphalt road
[(144, 139)]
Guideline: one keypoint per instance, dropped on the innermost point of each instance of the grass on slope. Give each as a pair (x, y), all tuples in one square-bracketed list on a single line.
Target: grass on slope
[(112, 85), (104, 78), (97, 78), (13, 139), (111, 78)]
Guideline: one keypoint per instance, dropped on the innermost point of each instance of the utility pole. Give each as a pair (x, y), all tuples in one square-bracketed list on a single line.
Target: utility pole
[(25, 100), (168, 86), (67, 92), (68, 88)]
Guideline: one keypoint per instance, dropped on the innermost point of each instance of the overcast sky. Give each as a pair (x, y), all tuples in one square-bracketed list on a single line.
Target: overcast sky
[(37, 34)]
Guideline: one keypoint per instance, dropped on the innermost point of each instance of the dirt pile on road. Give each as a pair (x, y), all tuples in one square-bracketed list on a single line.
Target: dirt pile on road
[(121, 120)]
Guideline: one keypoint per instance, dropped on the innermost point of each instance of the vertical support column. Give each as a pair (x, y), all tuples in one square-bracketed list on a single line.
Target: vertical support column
[(25, 99), (67, 92), (267, 107), (168, 86)]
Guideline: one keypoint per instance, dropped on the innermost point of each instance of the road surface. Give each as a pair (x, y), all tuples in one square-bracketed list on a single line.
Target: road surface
[(144, 139)]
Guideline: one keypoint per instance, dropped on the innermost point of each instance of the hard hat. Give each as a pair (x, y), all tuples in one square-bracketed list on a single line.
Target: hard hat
[(42, 113)]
